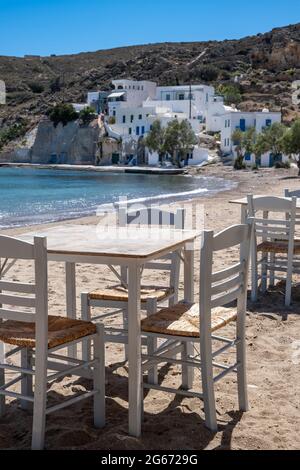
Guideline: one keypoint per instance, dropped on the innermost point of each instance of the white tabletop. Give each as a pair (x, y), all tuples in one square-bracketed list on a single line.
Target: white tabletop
[(129, 242)]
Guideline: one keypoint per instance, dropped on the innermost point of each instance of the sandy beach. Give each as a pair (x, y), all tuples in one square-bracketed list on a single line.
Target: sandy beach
[(170, 422)]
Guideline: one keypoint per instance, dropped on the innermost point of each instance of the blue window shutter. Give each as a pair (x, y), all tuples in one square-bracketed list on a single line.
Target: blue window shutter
[(243, 124)]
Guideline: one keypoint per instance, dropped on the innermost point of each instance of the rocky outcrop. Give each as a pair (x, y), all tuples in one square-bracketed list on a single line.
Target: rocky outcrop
[(71, 144)]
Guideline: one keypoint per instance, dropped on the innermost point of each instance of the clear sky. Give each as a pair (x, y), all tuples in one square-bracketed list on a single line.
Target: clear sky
[(47, 27)]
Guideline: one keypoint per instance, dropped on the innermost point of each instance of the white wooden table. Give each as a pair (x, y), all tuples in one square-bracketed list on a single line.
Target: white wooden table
[(243, 202), (130, 247)]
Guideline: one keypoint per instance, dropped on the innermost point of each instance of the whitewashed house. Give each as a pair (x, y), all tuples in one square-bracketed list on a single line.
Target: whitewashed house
[(215, 113), (129, 94), (244, 120)]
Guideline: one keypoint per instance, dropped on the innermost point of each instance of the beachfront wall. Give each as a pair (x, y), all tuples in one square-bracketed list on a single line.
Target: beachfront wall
[(266, 160), (197, 156)]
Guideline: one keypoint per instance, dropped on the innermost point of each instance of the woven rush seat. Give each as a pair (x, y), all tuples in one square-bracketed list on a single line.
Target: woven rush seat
[(120, 293), (278, 247), (61, 330), (183, 320)]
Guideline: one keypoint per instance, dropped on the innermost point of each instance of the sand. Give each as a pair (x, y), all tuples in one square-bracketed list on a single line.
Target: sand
[(171, 422)]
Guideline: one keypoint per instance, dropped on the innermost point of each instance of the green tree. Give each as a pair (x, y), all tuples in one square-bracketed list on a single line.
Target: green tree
[(87, 115), (244, 143), (232, 93), (63, 113), (290, 142), (155, 139), (271, 140), (179, 139)]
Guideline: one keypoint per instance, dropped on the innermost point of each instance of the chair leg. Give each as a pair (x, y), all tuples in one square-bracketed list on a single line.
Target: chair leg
[(208, 385), (254, 273), (272, 270), (241, 359), (26, 382), (2, 378), (86, 316), (99, 378), (264, 273), (289, 283), (125, 326), (187, 372), (152, 343), (40, 401)]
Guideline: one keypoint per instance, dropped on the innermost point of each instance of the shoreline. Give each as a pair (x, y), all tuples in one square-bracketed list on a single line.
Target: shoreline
[(99, 169)]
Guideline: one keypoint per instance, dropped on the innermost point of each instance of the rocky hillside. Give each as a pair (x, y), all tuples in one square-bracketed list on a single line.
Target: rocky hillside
[(266, 65)]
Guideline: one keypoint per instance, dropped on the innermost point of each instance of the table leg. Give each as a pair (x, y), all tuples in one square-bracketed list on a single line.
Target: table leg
[(134, 350), (71, 299), (188, 348), (244, 214)]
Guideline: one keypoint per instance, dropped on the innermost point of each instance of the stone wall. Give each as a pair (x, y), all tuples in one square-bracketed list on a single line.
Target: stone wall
[(73, 144)]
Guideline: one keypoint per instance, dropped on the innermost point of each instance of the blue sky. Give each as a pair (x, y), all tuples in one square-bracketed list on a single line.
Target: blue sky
[(69, 26)]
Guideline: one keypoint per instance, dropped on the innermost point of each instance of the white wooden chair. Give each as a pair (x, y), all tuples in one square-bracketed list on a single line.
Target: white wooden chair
[(288, 193), (116, 297), (28, 330), (274, 238), (197, 323)]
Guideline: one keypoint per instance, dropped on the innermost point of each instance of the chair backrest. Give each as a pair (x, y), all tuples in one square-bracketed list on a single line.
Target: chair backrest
[(296, 194), (288, 193), (156, 217), (23, 301), (220, 288), (276, 227)]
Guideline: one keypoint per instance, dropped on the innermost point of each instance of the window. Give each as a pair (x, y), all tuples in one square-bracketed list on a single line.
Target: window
[(229, 122), (114, 112), (268, 122), (151, 127), (143, 130), (181, 97), (225, 123), (130, 131), (168, 97), (142, 88), (137, 131), (124, 119), (140, 116), (133, 87), (243, 124), (131, 118), (225, 143)]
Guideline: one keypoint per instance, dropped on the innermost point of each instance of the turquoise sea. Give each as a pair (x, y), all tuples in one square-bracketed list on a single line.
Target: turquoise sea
[(32, 196)]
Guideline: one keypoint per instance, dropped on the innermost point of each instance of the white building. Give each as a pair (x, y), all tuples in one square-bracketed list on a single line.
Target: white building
[(129, 94), (215, 113), (245, 120)]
